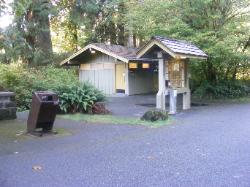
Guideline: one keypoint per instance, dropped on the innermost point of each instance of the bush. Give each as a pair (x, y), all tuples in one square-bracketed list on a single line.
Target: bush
[(78, 98), (155, 115), (222, 89), (74, 96)]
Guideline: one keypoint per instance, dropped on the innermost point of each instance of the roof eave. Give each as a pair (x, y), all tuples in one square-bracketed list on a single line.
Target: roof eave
[(153, 42), (91, 46), (185, 56), (150, 44)]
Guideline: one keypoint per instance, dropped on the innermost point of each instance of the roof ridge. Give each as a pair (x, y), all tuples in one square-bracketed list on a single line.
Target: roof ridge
[(115, 45), (172, 39)]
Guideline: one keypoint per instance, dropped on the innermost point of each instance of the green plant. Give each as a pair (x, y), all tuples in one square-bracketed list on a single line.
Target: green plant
[(222, 89), (78, 98), (74, 96)]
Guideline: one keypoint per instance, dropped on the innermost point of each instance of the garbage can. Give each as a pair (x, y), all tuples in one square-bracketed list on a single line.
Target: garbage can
[(43, 111)]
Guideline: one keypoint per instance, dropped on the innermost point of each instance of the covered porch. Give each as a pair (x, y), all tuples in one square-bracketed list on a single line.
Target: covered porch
[(169, 70)]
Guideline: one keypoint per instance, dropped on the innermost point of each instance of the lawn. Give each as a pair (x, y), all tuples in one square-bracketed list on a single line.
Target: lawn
[(110, 119)]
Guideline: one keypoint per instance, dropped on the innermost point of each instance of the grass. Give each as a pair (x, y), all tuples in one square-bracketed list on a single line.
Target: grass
[(15, 130), (109, 119)]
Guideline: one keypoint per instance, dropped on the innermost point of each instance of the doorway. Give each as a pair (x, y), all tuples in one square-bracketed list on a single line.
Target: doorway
[(120, 78)]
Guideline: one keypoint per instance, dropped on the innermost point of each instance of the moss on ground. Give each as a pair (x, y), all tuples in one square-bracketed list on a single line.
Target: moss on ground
[(110, 119), (11, 130), (15, 130)]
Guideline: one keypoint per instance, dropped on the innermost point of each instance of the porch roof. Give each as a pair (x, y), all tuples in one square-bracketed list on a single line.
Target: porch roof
[(176, 48)]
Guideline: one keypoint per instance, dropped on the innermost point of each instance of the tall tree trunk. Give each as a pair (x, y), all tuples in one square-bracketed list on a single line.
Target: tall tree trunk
[(211, 74), (120, 25), (130, 42), (121, 34), (43, 39), (73, 36), (112, 33), (134, 40)]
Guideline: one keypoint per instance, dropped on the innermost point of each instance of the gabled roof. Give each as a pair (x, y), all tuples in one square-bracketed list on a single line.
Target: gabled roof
[(174, 47), (117, 51)]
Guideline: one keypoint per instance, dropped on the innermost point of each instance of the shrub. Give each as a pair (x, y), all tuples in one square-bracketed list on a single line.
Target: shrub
[(15, 78), (155, 115), (74, 96), (222, 89), (78, 98)]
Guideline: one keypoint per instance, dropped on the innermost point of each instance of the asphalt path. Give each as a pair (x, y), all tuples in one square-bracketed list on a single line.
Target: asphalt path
[(206, 146)]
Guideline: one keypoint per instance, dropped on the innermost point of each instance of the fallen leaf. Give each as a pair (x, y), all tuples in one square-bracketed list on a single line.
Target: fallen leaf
[(37, 168)]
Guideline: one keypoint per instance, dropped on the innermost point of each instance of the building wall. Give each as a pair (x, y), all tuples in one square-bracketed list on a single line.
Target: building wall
[(141, 82), (100, 72)]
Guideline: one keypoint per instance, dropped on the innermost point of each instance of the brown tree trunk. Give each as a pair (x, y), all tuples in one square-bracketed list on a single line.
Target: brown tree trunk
[(112, 33), (134, 40), (121, 34), (43, 38), (211, 74)]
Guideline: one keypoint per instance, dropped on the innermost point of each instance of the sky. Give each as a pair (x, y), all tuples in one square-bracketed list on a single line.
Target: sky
[(6, 19)]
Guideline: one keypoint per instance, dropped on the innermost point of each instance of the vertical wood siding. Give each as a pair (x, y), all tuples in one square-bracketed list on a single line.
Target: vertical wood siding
[(100, 72)]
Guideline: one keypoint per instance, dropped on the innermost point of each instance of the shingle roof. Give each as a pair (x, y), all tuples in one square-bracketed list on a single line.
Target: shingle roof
[(125, 52), (180, 46), (128, 53)]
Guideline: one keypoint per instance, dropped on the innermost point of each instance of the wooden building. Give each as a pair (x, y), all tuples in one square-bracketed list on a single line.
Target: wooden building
[(160, 66)]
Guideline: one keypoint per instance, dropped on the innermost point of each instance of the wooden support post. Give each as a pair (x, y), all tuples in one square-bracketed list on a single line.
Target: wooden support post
[(187, 94), (126, 79), (187, 100), (160, 97), (172, 101)]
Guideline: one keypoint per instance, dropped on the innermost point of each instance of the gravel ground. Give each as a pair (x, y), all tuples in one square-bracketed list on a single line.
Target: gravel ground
[(205, 146)]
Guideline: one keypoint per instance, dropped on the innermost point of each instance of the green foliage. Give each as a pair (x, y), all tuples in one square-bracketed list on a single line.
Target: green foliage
[(79, 22), (221, 28), (74, 96), (78, 98), (222, 89), (15, 78), (28, 39)]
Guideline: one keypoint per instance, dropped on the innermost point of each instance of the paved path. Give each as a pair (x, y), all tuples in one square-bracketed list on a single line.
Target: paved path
[(135, 105), (206, 146)]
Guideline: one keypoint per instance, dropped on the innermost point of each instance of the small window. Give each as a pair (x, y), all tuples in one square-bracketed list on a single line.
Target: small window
[(145, 66), (133, 65)]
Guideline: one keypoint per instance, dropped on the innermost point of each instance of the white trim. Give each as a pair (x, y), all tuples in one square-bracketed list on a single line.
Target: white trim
[(92, 46), (148, 46), (154, 42)]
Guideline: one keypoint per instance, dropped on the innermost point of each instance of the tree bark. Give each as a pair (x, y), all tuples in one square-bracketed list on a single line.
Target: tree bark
[(121, 34), (43, 39)]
